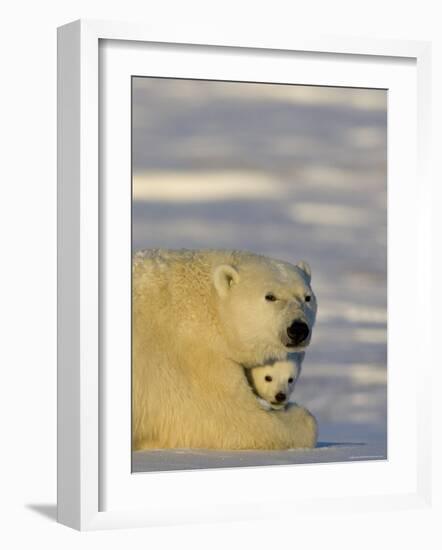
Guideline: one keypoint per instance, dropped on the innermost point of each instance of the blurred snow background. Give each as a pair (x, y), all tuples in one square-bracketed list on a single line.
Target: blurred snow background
[(293, 172)]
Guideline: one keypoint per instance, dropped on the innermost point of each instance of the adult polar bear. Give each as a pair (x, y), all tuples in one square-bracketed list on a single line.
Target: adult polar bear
[(199, 318)]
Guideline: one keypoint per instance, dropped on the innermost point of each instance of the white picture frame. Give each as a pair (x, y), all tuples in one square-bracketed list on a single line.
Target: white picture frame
[(83, 462)]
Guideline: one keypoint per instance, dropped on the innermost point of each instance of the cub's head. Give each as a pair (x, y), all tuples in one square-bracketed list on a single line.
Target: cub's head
[(275, 383), (266, 308)]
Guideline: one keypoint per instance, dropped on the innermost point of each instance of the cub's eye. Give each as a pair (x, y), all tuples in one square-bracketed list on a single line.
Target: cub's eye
[(270, 297), (308, 298), (268, 378), (290, 380)]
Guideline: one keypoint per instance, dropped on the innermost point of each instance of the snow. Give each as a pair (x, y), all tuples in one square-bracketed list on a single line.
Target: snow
[(196, 459), (294, 173)]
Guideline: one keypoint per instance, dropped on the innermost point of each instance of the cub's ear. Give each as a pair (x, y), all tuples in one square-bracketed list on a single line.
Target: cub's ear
[(303, 266), (224, 277)]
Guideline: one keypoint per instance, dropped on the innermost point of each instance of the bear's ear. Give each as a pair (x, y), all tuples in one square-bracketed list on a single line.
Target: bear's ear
[(224, 277), (303, 266)]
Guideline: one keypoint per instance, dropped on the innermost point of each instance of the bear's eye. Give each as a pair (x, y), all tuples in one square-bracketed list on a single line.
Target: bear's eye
[(308, 298), (290, 380), (268, 378), (270, 297)]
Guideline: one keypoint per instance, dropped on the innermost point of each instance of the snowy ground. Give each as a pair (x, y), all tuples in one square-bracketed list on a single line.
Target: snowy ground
[(294, 173)]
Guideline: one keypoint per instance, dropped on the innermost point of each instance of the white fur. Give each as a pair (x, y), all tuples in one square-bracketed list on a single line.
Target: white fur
[(199, 319), (269, 381)]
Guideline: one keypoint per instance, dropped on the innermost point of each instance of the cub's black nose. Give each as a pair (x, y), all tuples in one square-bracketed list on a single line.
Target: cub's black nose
[(280, 397), (298, 331)]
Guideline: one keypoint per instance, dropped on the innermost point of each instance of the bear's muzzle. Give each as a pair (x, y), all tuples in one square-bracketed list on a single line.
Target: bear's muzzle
[(298, 332)]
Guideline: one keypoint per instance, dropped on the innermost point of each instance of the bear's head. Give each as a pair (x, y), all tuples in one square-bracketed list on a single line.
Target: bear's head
[(266, 308), (275, 383)]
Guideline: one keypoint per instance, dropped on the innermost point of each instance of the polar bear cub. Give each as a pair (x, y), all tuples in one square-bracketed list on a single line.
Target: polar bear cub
[(274, 384)]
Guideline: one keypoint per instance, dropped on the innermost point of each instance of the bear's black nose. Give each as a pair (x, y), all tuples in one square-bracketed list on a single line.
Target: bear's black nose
[(298, 331), (280, 397)]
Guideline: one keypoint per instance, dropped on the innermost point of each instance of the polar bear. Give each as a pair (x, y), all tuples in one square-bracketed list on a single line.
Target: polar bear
[(274, 384), (200, 319)]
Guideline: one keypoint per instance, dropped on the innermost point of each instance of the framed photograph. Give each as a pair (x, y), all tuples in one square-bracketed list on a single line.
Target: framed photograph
[(236, 326)]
